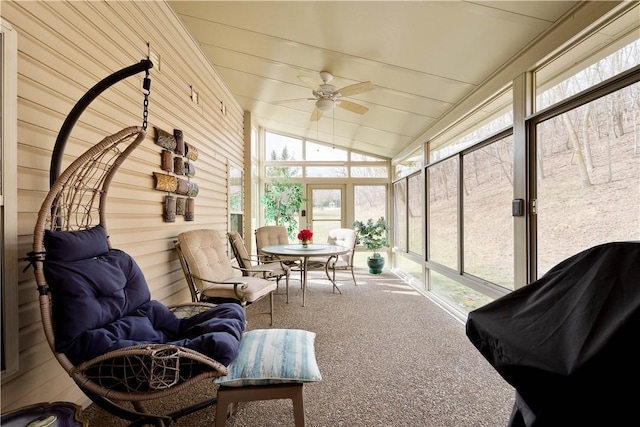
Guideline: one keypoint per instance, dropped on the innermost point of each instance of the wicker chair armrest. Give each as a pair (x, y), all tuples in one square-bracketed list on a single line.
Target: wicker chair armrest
[(144, 371)]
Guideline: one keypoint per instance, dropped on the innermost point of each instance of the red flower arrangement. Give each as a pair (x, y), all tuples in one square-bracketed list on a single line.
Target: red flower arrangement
[(305, 234)]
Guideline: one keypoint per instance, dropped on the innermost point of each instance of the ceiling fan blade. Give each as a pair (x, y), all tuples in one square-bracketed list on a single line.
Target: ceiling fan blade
[(315, 116), (352, 106), (356, 89), (286, 101), (310, 82)]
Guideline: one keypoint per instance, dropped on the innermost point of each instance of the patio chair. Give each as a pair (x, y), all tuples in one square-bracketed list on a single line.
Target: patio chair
[(270, 235), (210, 274), (267, 270), (346, 237)]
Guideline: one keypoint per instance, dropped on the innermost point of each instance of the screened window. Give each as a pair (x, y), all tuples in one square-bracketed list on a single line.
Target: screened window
[(566, 76), (236, 199), (456, 294), (414, 213), (488, 119), (281, 171), (443, 212), (369, 172), (400, 216), (409, 165), (588, 182), (282, 148), (326, 171), (488, 224), (370, 201), (321, 152), (359, 157)]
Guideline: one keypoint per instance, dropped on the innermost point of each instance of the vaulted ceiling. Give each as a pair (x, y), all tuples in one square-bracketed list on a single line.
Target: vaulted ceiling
[(423, 57)]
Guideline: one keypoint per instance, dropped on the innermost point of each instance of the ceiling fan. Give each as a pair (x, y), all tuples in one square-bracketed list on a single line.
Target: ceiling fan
[(327, 96)]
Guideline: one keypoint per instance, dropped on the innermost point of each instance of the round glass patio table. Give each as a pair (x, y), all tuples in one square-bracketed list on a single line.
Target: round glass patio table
[(312, 250)]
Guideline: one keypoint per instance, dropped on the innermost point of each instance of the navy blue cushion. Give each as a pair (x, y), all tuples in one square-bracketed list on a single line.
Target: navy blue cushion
[(90, 293), (75, 245), (102, 303)]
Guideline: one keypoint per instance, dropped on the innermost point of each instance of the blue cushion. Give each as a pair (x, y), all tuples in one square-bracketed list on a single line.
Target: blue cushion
[(273, 356), (75, 245), (103, 303), (90, 293)]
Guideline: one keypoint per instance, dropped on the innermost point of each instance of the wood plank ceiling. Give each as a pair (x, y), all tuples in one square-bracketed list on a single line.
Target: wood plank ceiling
[(424, 58)]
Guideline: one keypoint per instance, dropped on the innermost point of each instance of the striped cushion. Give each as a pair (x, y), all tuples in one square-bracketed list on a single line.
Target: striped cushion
[(273, 356)]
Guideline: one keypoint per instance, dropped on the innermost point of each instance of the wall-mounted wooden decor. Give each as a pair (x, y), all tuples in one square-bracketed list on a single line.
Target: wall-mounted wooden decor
[(191, 152), (167, 161), (165, 182), (181, 206), (178, 166), (176, 159), (189, 215), (169, 213), (165, 140), (179, 137)]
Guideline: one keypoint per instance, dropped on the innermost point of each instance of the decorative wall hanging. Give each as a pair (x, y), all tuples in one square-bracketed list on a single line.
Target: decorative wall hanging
[(192, 189), (179, 137), (165, 140), (189, 169), (178, 166), (169, 209), (181, 206), (183, 186), (167, 161), (166, 182), (176, 159), (189, 214), (191, 152)]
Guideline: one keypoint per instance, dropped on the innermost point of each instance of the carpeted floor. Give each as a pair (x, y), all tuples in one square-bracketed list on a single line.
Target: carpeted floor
[(388, 357)]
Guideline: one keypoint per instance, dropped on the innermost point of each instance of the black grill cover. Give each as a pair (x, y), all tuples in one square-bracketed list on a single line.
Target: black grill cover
[(568, 342)]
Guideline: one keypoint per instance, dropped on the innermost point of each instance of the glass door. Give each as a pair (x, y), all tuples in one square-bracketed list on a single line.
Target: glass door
[(326, 210)]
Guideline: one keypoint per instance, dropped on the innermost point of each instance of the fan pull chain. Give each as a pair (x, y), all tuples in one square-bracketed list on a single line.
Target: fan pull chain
[(146, 85)]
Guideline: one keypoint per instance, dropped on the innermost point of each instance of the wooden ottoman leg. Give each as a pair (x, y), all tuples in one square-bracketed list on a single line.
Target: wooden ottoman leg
[(233, 395), (222, 408), (297, 397)]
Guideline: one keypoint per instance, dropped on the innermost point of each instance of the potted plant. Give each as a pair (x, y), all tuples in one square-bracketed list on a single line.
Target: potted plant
[(373, 236), (282, 201)]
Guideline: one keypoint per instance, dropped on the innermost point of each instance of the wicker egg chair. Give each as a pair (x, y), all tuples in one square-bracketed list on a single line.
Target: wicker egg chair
[(76, 201), (119, 381)]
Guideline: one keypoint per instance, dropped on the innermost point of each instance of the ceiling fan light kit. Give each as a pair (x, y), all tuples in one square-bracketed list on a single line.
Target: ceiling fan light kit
[(327, 96), (324, 104)]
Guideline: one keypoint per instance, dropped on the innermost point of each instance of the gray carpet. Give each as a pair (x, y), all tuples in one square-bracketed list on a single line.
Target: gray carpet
[(388, 357)]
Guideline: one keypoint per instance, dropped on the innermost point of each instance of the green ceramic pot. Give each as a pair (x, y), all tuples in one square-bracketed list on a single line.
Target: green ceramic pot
[(375, 264)]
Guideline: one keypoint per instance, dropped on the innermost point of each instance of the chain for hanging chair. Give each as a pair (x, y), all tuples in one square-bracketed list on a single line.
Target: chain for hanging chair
[(146, 85)]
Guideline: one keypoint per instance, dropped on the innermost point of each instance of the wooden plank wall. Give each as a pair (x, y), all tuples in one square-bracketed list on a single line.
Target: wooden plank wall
[(64, 49)]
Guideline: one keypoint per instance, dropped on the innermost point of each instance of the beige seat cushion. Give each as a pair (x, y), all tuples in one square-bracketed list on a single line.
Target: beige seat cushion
[(207, 258), (254, 290)]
